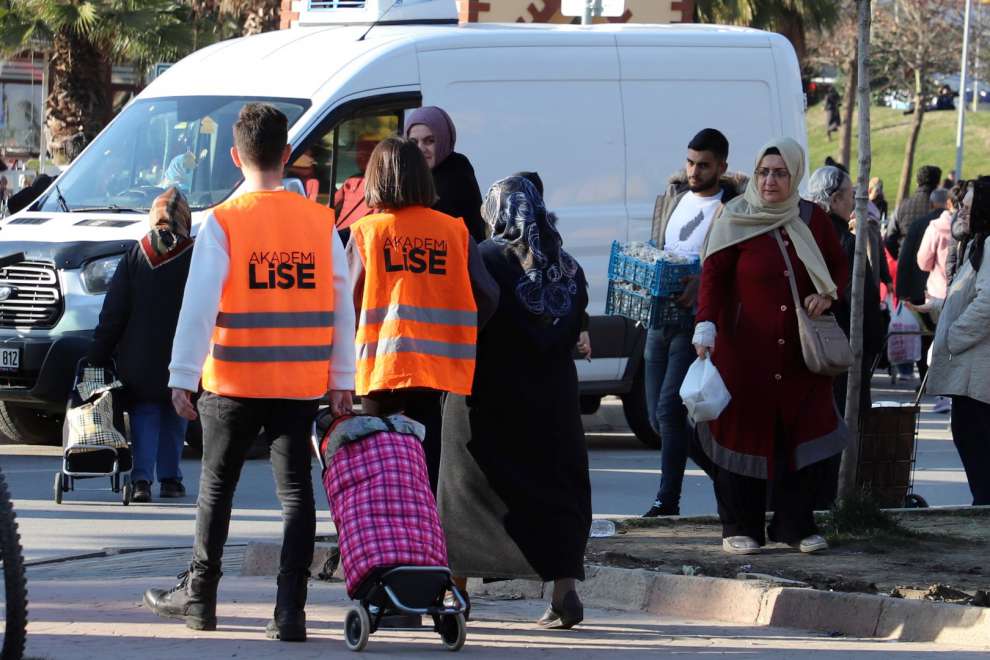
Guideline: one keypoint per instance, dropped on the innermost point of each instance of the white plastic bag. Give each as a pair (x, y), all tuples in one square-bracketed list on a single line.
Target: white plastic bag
[(703, 392), (904, 341)]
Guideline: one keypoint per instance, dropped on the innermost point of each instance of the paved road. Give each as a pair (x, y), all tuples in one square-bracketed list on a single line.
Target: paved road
[(91, 620), (624, 478)]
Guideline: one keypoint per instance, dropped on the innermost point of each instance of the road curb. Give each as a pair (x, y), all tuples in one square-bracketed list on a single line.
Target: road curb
[(756, 602), (745, 602)]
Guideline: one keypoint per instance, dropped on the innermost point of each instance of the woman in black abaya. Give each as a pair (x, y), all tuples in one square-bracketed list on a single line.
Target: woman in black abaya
[(514, 493)]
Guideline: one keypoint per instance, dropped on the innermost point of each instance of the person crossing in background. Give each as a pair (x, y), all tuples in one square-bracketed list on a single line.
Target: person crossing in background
[(422, 292), (267, 321)]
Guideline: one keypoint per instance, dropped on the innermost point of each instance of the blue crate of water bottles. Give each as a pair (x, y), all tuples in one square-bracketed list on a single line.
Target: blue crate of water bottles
[(624, 300), (659, 274)]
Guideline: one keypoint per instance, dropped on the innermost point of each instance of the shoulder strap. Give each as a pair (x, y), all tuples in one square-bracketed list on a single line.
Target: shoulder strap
[(806, 208), (790, 269)]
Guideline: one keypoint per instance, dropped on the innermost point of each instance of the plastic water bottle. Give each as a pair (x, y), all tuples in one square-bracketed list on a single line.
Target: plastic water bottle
[(602, 529)]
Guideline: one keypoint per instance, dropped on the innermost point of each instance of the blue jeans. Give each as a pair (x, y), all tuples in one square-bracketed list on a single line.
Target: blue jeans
[(157, 434), (668, 356)]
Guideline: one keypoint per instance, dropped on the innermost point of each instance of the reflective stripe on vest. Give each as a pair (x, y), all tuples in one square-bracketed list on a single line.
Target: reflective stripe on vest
[(418, 324), (435, 315), (258, 320), (412, 345), (274, 331)]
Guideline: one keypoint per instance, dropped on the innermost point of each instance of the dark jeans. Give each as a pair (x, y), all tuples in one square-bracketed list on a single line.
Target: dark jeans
[(423, 405), (971, 435), (157, 436), (668, 356), (230, 426)]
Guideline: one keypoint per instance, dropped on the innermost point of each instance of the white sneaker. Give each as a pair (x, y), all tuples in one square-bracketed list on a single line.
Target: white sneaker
[(943, 404), (814, 543), (740, 545)]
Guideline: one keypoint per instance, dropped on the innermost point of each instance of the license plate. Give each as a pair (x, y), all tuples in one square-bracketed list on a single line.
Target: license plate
[(10, 359)]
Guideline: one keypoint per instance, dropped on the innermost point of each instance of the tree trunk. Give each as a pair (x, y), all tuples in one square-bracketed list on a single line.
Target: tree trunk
[(79, 101), (791, 25), (904, 189), (264, 17), (849, 96), (850, 458)]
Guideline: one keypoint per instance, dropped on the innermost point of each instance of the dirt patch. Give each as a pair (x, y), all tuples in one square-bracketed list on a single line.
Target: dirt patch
[(931, 554)]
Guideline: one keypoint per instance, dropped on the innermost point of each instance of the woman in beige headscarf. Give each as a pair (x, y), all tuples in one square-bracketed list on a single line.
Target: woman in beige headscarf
[(781, 424)]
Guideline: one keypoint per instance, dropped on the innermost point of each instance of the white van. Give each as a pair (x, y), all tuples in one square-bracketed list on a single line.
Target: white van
[(603, 113)]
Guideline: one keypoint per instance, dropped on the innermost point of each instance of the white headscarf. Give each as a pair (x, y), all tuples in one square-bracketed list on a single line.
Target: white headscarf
[(749, 216)]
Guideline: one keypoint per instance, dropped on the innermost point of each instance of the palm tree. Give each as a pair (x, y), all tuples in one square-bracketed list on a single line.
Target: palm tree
[(84, 39), (788, 17)]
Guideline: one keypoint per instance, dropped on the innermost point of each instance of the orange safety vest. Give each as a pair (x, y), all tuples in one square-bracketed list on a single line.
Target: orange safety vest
[(418, 325), (274, 333)]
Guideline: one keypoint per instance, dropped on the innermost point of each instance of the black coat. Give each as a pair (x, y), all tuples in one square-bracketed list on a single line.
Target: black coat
[(459, 194), (521, 427), (911, 280), (138, 321), (873, 324)]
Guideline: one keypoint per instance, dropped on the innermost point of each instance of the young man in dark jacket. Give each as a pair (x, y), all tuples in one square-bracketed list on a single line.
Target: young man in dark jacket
[(137, 326), (681, 221)]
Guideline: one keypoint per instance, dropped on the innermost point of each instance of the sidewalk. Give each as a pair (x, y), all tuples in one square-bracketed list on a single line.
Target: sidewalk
[(97, 619)]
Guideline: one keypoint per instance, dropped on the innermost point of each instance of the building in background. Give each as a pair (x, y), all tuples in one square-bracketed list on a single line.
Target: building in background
[(20, 108), (548, 11), (524, 11)]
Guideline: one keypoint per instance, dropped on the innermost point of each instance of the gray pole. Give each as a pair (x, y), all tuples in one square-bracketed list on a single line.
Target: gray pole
[(850, 457), (961, 127), (589, 12), (976, 57)]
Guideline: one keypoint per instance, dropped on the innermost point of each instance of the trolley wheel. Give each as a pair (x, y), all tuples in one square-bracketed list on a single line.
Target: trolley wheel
[(126, 493), (453, 631), (58, 488), (915, 501), (357, 628)]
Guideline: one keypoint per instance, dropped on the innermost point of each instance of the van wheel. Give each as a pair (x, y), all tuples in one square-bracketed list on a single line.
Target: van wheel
[(29, 426), (634, 409)]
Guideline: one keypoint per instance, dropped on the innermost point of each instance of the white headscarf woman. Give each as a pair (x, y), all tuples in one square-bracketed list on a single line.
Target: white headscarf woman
[(749, 215)]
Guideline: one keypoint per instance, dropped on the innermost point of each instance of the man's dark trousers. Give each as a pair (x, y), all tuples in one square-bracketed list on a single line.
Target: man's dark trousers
[(230, 426)]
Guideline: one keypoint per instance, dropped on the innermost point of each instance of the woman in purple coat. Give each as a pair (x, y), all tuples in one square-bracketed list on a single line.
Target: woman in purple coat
[(781, 424)]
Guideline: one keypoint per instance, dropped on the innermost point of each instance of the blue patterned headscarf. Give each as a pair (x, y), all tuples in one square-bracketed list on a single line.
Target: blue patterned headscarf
[(526, 231)]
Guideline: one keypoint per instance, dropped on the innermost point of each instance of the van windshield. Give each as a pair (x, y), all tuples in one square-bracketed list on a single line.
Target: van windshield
[(155, 144)]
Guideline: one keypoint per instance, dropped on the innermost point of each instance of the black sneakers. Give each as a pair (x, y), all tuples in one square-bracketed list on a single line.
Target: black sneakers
[(193, 600), (659, 509), (172, 488), (142, 492)]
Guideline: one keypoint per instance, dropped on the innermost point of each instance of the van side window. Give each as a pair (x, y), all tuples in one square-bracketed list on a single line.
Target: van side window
[(336, 160)]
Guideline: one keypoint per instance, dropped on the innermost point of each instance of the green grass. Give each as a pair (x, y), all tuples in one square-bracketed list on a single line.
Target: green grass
[(889, 128)]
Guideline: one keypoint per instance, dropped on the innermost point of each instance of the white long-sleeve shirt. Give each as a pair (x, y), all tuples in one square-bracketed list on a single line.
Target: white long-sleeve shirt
[(201, 304)]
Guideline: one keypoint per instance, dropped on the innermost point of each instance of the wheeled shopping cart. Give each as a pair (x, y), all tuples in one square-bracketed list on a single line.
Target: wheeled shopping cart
[(392, 548), (94, 439)]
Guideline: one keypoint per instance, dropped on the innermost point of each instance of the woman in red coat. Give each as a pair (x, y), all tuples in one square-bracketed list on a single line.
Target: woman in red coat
[(781, 423)]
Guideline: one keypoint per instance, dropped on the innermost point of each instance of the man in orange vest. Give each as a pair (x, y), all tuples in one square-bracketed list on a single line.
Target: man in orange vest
[(268, 322)]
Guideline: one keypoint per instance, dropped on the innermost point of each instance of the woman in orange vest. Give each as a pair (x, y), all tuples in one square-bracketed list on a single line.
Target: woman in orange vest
[(421, 292)]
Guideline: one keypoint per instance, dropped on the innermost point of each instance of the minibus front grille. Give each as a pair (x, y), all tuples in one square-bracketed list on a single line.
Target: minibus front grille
[(29, 295)]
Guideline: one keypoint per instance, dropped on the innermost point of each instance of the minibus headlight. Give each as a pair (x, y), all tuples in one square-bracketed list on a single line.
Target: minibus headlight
[(96, 274)]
